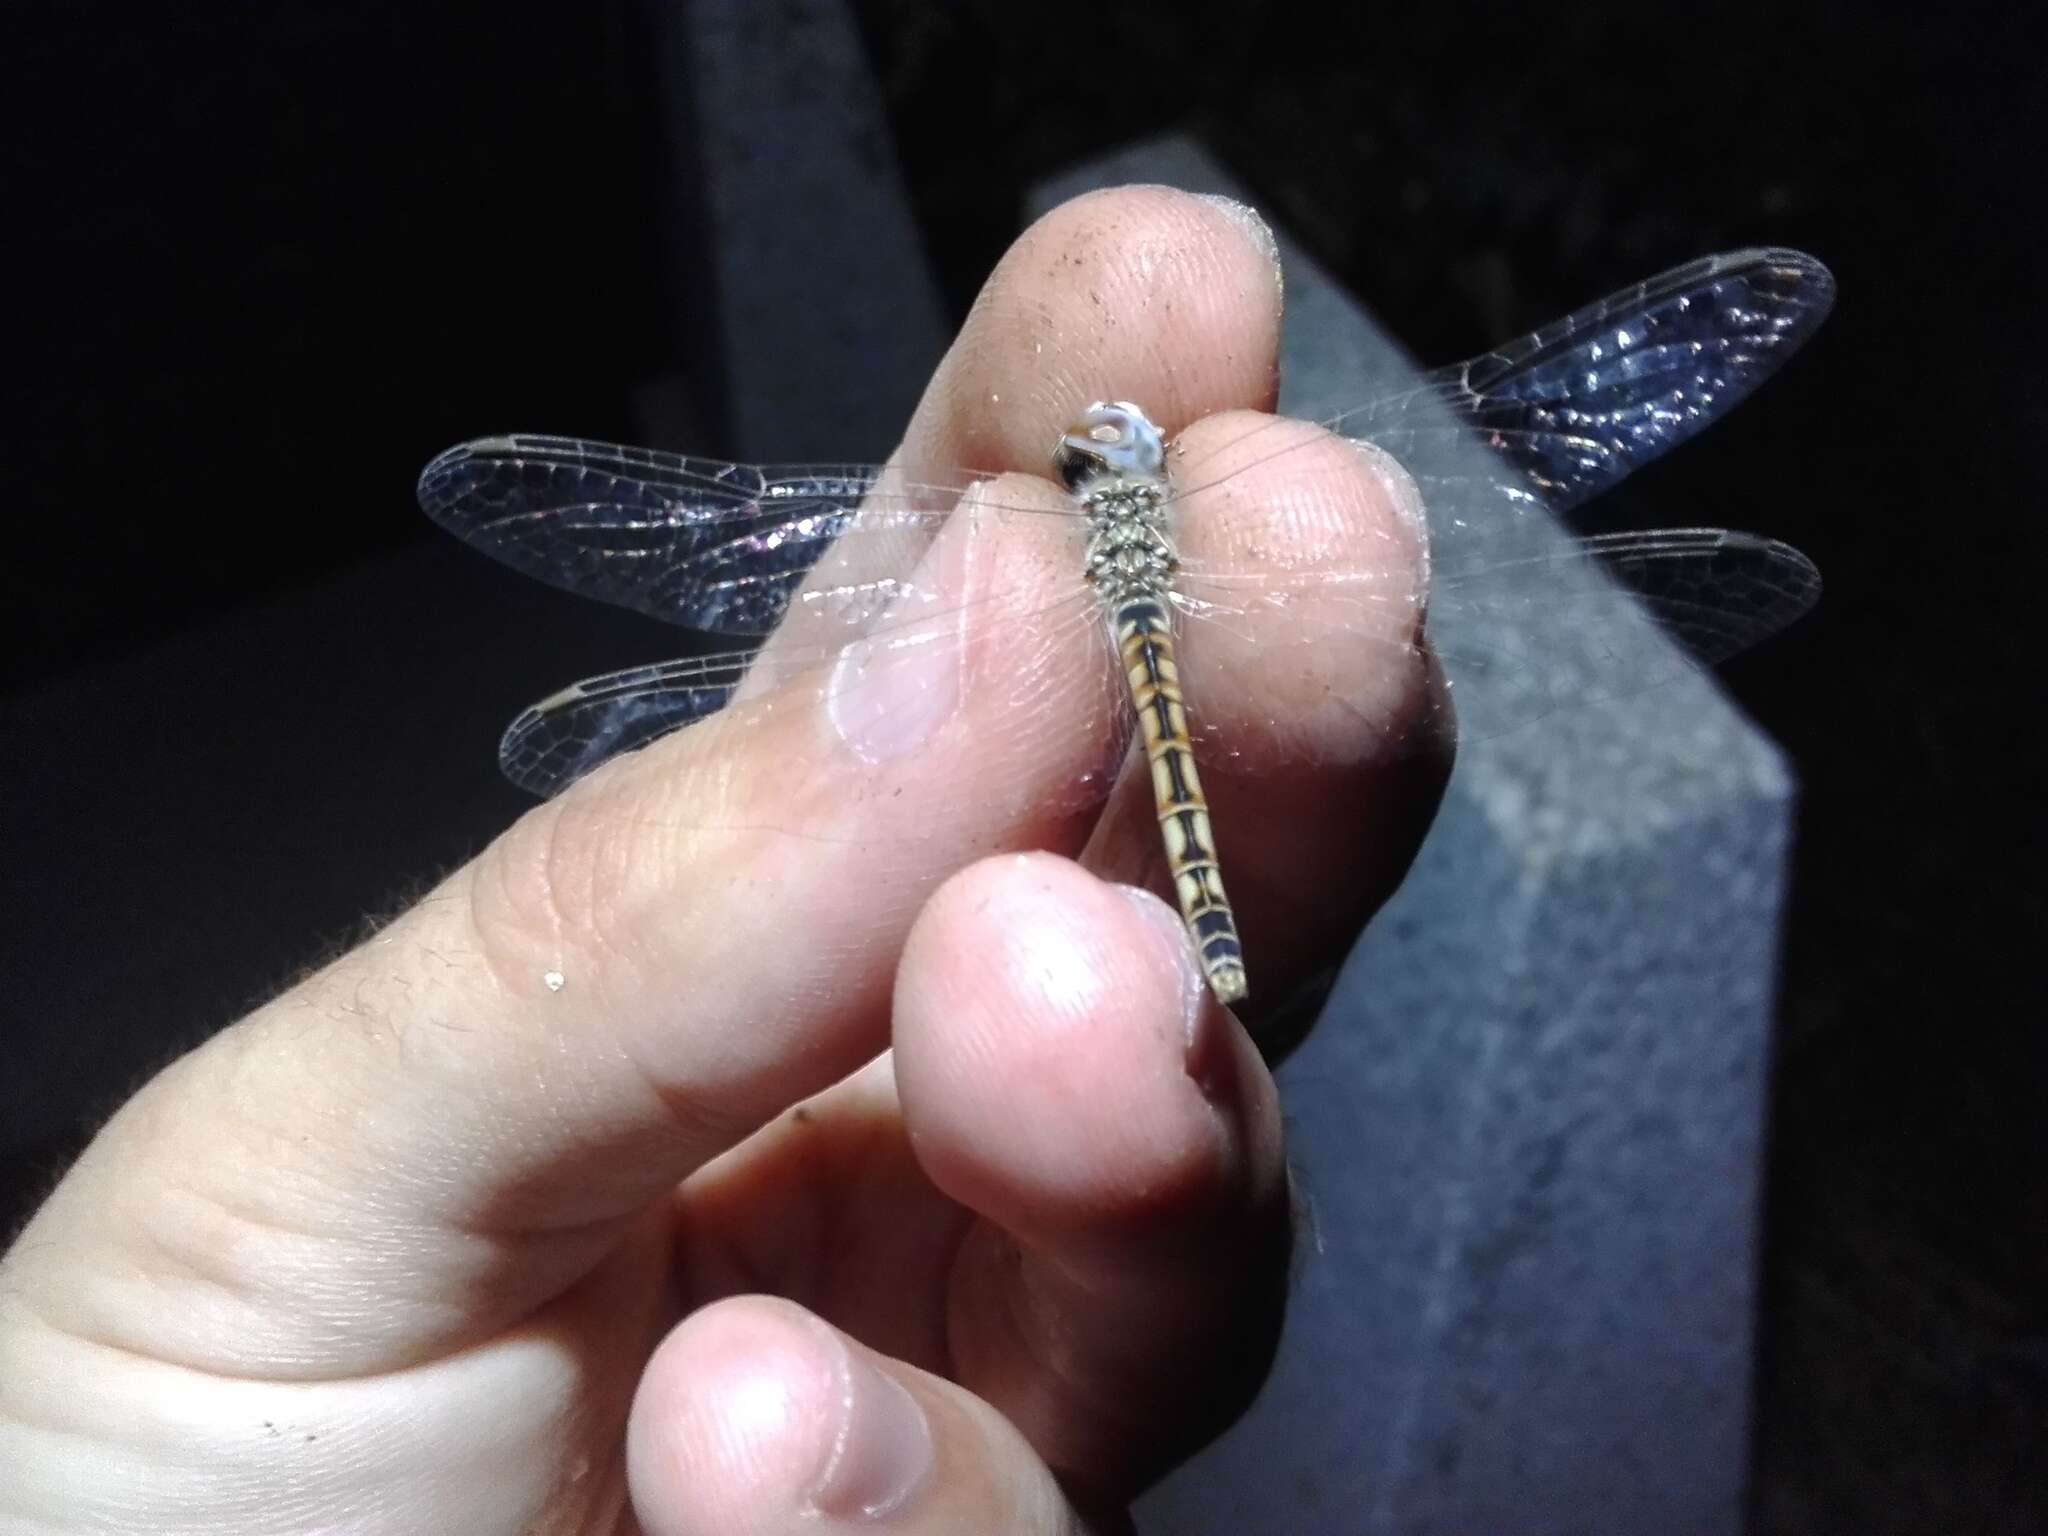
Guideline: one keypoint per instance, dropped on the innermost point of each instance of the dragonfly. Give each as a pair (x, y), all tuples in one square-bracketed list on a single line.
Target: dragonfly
[(868, 588)]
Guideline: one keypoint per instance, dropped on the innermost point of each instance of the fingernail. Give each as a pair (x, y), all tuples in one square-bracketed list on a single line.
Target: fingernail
[(888, 694), (883, 1452), (890, 691), (1404, 494), (1400, 486), (1173, 937), (1249, 220)]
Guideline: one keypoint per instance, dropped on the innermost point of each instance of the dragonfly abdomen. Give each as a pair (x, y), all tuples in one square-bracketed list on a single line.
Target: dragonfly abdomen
[(1144, 638)]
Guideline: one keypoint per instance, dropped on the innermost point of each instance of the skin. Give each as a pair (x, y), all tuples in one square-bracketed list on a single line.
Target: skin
[(570, 1202)]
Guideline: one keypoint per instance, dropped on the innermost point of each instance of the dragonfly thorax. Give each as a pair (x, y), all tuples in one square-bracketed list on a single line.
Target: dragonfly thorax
[(1130, 551)]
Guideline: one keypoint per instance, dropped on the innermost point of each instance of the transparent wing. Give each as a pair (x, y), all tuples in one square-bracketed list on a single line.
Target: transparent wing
[(1527, 619), (1054, 661), (1571, 410), (555, 742), (696, 542), (1580, 622), (1717, 592)]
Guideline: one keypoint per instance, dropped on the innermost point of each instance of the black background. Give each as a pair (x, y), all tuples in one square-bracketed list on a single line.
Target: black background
[(266, 262)]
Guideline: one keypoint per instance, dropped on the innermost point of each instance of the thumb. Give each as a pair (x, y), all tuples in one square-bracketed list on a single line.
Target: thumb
[(756, 1417)]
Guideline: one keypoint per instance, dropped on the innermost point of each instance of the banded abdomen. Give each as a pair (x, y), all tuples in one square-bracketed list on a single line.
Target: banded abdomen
[(1144, 640)]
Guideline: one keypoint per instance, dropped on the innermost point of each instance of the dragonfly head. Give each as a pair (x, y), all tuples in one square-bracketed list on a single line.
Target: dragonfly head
[(1112, 438)]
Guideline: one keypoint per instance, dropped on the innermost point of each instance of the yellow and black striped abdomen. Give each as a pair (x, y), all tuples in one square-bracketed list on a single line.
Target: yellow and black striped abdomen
[(1145, 644)]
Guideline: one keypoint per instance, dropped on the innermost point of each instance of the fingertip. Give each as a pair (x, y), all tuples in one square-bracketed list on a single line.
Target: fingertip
[(757, 1417), (753, 1415), (1061, 1064), (1141, 293)]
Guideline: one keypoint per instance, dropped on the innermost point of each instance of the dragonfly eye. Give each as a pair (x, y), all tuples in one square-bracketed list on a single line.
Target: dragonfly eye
[(1112, 438)]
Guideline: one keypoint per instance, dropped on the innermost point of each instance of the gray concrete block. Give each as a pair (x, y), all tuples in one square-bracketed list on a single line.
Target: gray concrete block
[(1529, 1124), (824, 320)]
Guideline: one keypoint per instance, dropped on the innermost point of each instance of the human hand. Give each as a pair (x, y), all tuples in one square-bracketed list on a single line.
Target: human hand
[(584, 1198)]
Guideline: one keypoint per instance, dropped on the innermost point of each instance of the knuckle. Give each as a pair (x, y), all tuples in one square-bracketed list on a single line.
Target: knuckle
[(558, 889)]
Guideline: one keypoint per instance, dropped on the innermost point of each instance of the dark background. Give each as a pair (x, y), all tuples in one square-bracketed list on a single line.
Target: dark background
[(268, 262)]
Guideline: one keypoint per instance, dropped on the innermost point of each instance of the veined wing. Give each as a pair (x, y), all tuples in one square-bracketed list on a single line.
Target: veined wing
[(1715, 591), (1547, 422), (1562, 622), (1580, 621), (555, 742), (1577, 406), (700, 543)]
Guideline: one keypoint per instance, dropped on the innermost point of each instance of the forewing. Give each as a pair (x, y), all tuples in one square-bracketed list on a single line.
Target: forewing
[(695, 542), (1570, 410)]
